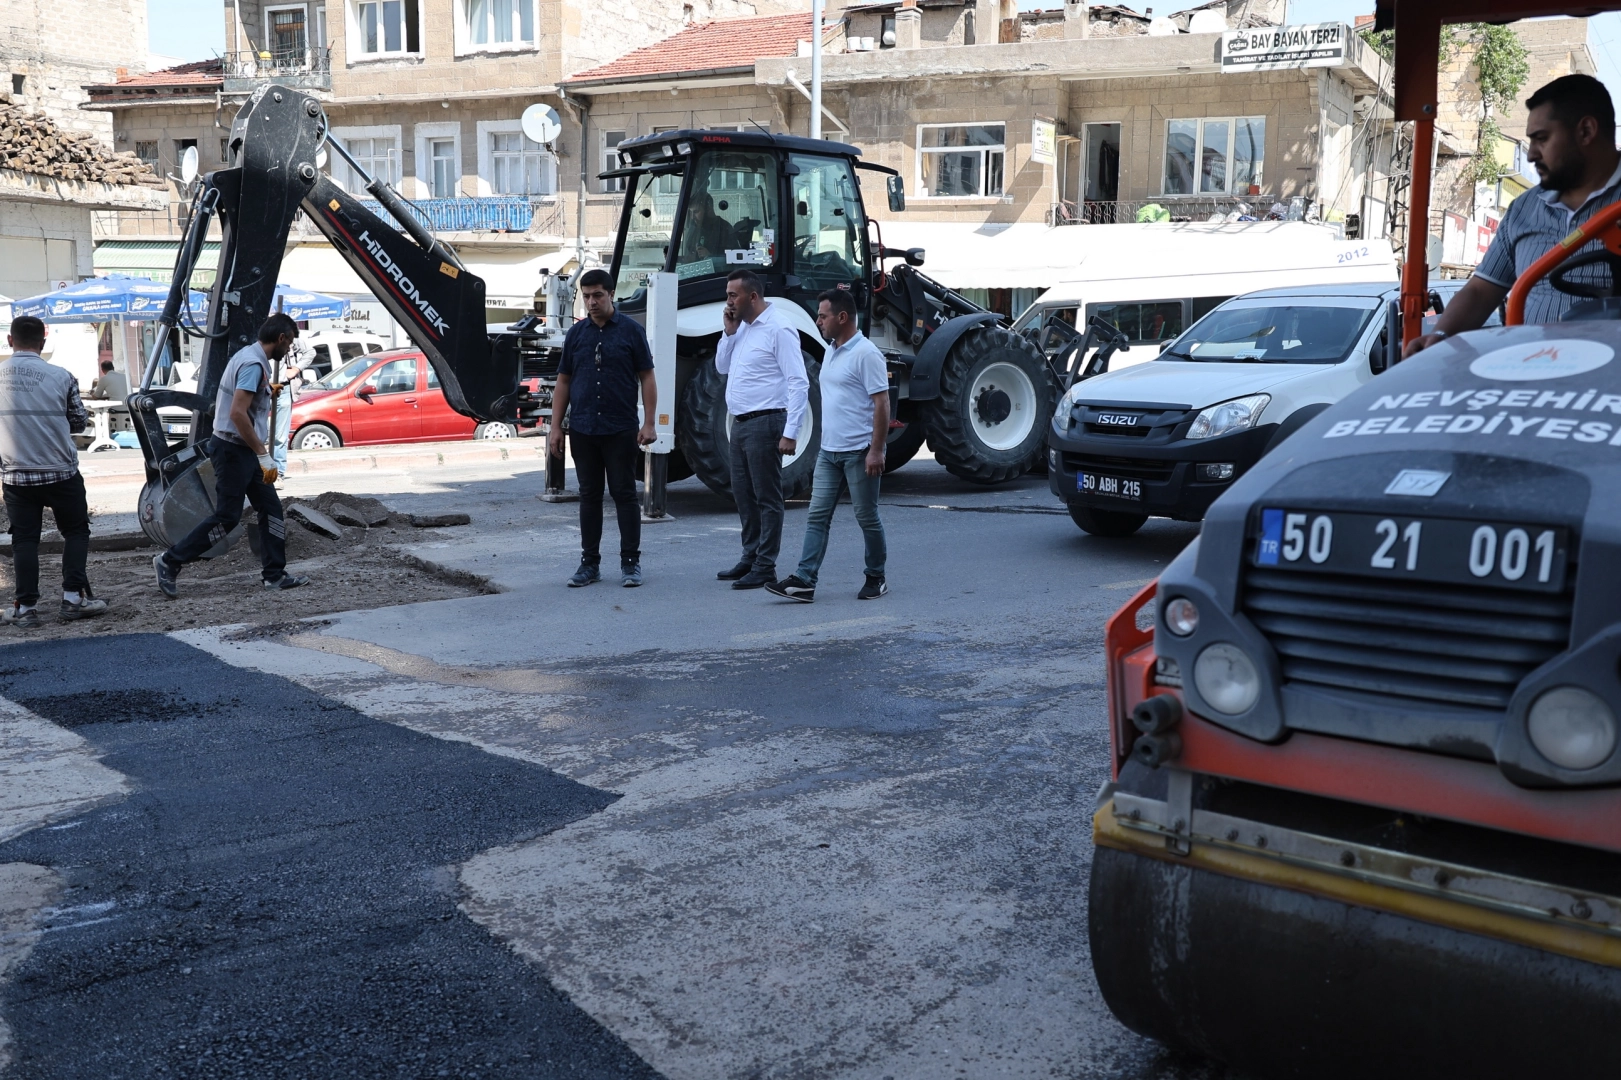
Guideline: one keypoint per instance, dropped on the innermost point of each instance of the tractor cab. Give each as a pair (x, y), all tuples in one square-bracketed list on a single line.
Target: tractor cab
[(702, 204)]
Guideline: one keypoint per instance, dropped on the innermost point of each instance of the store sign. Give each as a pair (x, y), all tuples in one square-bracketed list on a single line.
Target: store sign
[(1278, 48), (1044, 142)]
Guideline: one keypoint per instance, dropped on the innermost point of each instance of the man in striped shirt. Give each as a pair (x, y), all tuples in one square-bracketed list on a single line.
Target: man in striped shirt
[(1571, 131)]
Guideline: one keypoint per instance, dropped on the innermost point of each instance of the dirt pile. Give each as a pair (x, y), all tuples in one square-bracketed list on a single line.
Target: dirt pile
[(363, 568)]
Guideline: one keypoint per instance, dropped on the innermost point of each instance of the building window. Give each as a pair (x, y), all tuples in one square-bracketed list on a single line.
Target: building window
[(500, 22), (287, 37), (19, 83), (1214, 156), (611, 159), (447, 171), (387, 26), (320, 26), (886, 32), (520, 166), (180, 148), (962, 160), (379, 155), (147, 152)]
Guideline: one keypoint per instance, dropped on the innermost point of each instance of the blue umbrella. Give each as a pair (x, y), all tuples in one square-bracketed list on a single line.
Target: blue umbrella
[(302, 304), (103, 299)]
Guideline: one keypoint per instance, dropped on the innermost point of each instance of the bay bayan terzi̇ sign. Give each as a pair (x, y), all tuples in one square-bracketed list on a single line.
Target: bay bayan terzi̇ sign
[(1276, 48)]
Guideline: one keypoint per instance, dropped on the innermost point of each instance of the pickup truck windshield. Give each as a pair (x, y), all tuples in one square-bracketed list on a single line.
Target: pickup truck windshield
[(1286, 333)]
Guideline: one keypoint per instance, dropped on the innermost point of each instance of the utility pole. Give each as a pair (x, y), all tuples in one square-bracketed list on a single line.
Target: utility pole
[(816, 69)]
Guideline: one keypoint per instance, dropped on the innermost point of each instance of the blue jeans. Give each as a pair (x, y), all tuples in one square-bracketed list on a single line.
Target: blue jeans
[(835, 472)]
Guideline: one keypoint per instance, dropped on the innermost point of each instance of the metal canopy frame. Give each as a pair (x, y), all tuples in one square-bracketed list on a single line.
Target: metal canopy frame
[(1418, 61)]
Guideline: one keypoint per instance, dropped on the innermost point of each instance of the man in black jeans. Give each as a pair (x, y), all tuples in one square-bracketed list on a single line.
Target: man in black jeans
[(604, 357), (39, 467), (242, 462)]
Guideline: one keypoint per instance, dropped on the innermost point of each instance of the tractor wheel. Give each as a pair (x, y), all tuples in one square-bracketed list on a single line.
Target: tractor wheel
[(990, 424), (703, 432), (903, 445)]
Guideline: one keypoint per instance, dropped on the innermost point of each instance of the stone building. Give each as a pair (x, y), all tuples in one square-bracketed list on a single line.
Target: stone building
[(50, 50)]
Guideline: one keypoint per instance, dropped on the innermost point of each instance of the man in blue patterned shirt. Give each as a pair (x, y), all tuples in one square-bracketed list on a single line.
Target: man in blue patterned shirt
[(1571, 131)]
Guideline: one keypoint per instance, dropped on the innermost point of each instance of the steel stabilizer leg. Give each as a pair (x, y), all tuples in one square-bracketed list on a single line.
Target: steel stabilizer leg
[(554, 490), (655, 487), (1279, 983)]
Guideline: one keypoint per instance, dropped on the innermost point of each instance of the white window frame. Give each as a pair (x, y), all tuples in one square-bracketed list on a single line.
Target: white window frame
[(464, 31), (1198, 155), (340, 169), (486, 156), (921, 187), (319, 40), (425, 135), (612, 187), (353, 41), (269, 29)]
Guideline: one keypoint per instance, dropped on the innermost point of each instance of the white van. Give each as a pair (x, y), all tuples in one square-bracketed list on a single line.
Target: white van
[(1151, 306), (1167, 437)]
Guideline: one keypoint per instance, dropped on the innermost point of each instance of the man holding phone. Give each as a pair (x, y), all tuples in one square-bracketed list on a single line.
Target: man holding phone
[(767, 394), (605, 355)]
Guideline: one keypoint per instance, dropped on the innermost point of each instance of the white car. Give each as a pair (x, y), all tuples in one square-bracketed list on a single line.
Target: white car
[(330, 349), (1168, 436)]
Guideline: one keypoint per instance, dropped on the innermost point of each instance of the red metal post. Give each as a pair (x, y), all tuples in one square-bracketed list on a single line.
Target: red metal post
[(1415, 271)]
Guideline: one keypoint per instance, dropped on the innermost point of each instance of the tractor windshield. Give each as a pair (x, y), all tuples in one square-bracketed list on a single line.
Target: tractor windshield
[(647, 234), (731, 217)]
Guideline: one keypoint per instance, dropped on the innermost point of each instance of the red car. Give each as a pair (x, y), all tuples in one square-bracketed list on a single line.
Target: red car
[(386, 397)]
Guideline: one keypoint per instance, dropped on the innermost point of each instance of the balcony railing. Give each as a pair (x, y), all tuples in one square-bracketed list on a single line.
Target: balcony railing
[(537, 214), (303, 69), (1178, 208)]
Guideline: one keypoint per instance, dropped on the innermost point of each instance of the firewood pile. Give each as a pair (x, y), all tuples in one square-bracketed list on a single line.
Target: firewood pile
[(32, 143)]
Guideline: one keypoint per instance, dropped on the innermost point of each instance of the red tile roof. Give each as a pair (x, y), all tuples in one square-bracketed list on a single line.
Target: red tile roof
[(197, 75), (722, 45)]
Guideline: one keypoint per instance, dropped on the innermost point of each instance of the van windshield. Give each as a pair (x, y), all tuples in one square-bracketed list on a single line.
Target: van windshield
[(1313, 332)]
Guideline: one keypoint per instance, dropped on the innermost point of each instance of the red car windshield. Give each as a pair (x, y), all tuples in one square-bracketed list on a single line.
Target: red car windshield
[(345, 375)]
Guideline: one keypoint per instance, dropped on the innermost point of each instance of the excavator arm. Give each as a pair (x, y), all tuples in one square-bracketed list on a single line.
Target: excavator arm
[(424, 285)]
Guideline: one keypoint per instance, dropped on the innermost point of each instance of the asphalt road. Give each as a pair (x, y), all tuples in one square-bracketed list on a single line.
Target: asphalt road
[(677, 829)]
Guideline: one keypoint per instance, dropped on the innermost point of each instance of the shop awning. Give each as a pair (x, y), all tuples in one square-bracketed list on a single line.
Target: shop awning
[(154, 259)]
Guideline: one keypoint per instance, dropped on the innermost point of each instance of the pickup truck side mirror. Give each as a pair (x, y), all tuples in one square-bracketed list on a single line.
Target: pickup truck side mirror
[(895, 187)]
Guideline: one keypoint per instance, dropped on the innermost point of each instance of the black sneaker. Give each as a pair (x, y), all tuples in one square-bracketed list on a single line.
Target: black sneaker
[(873, 589), (87, 606), (585, 575), (167, 575), (742, 569), (754, 579), (21, 618), (287, 581), (630, 575), (793, 587)]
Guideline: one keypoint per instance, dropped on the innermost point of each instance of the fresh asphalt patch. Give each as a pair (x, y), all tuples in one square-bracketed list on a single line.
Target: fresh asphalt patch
[(277, 897)]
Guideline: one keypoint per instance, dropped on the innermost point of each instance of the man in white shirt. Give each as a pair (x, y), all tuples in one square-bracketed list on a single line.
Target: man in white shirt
[(855, 429), (767, 394)]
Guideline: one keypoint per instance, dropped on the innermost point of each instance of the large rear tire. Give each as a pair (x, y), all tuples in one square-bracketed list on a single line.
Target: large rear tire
[(703, 432), (990, 424)]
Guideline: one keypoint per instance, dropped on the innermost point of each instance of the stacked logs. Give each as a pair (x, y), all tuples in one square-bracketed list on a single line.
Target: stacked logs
[(32, 143)]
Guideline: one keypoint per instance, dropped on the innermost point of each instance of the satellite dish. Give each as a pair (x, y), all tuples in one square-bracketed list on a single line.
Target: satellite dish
[(541, 123), (188, 164), (320, 158)]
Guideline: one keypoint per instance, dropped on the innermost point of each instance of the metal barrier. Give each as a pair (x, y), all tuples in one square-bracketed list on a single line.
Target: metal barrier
[(303, 69)]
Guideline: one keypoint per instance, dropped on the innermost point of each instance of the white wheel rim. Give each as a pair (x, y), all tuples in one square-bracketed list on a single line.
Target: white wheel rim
[(1002, 406), (316, 440), (496, 431)]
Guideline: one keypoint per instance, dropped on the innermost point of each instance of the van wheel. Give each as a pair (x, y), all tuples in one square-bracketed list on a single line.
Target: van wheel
[(1113, 523), (316, 437)]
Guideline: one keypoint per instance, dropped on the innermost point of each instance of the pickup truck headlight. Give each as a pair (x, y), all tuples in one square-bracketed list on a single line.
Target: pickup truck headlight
[(1239, 414), (1572, 727), (1064, 415)]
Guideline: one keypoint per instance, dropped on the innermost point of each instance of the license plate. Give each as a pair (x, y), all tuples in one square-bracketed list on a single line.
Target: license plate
[(1502, 554), (1113, 486)]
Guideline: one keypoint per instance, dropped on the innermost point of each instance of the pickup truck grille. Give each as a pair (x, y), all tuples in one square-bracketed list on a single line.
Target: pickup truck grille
[(1454, 644), (1136, 468)]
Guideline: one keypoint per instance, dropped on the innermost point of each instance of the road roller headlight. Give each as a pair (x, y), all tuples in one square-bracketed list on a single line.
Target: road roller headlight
[(1226, 678), (1181, 616), (1571, 727)]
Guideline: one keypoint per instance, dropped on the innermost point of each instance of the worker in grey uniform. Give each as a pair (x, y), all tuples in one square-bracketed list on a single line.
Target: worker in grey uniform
[(243, 465)]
